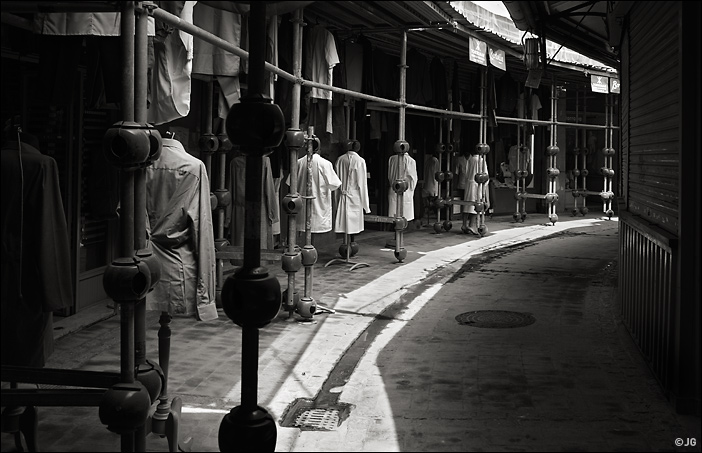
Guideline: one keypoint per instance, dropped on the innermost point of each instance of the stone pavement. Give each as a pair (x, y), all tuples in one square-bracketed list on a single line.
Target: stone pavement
[(396, 367)]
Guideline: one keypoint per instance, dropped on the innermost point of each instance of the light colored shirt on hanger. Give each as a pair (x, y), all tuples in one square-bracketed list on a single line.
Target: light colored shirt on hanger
[(324, 181), (402, 167)]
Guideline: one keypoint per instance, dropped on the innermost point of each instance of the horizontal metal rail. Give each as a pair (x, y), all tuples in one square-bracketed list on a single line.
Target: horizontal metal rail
[(216, 41)]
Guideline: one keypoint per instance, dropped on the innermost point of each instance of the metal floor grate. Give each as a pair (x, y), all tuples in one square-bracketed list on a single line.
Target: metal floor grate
[(325, 419)]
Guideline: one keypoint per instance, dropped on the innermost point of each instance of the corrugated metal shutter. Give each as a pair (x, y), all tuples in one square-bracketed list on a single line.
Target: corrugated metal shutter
[(653, 115), (624, 96)]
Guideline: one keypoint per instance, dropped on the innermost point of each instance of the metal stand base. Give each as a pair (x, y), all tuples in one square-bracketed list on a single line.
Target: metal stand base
[(346, 261)]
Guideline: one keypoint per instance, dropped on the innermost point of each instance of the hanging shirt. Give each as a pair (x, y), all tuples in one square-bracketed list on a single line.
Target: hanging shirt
[(461, 172), (353, 193), (324, 180), (236, 212), (430, 188), (210, 60), (321, 57), (402, 167), (85, 24), (36, 264), (170, 84), (181, 234)]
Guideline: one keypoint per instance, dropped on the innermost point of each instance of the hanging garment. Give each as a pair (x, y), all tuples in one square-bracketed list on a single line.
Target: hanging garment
[(181, 234), (353, 193), (173, 56), (473, 191), (210, 60), (79, 23), (430, 187), (353, 65), (270, 205), (461, 172), (402, 167), (419, 88), (321, 57), (36, 264), (101, 31), (271, 55), (324, 180), (439, 85)]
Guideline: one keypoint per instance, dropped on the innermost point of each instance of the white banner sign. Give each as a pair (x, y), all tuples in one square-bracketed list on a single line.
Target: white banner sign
[(600, 84), (497, 58), (478, 51)]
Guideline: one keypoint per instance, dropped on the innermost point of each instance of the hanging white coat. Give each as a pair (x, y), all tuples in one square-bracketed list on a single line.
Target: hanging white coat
[(402, 167), (324, 180), (352, 195)]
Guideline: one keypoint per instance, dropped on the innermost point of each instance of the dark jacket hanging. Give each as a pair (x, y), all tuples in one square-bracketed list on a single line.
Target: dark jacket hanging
[(36, 264)]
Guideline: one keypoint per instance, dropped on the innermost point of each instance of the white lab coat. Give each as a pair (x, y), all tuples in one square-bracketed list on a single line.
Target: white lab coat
[(324, 180), (402, 167), (352, 195)]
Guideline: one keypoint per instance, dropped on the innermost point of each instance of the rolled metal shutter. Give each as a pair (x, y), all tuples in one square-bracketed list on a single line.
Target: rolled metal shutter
[(652, 117)]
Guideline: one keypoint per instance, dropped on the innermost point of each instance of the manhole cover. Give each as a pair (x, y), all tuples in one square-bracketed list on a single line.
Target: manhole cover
[(495, 319), (326, 419)]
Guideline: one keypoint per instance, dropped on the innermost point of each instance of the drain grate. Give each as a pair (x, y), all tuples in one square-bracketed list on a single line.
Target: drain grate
[(495, 319), (324, 419)]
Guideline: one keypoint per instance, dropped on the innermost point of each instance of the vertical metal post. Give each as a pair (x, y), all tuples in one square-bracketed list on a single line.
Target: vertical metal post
[(207, 140), (552, 151), (308, 213), (140, 93), (403, 85), (400, 252), (126, 215), (441, 149), (482, 149), (126, 210), (251, 297), (576, 152)]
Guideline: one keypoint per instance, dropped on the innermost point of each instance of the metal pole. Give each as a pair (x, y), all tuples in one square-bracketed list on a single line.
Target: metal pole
[(140, 93), (126, 211), (126, 215), (308, 212), (401, 137), (295, 126)]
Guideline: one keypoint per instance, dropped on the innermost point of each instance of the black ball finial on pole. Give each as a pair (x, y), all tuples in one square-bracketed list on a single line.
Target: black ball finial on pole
[(251, 297)]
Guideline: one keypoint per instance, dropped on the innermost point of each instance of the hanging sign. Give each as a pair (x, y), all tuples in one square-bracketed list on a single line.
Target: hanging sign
[(614, 86), (599, 84), (497, 58), (478, 51), (533, 78)]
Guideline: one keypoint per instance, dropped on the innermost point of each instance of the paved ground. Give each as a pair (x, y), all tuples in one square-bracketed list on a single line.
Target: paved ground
[(397, 367)]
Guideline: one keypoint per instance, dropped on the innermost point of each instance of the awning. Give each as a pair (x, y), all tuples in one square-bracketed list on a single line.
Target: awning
[(592, 28)]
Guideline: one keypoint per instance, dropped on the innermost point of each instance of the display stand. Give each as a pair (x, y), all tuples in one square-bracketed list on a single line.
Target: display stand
[(607, 195), (346, 249), (482, 149)]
